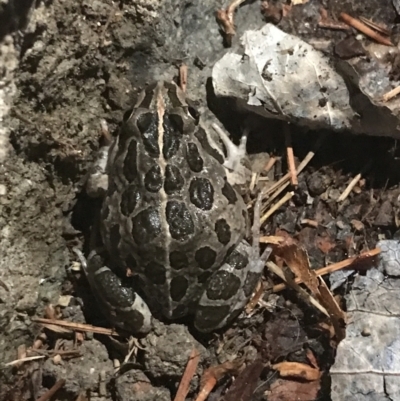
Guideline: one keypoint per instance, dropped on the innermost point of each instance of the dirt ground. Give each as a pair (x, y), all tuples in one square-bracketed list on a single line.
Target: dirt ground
[(68, 65)]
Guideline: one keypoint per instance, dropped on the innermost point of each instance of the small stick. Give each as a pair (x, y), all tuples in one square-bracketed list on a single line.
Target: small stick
[(290, 282), (76, 326), (349, 188), (257, 296), (26, 359), (183, 72), (309, 222), (290, 157), (326, 22), (375, 26), (300, 168), (190, 370), (105, 132), (391, 94), (360, 26), (334, 267), (275, 207), (48, 394), (271, 162), (225, 19), (107, 24), (206, 389)]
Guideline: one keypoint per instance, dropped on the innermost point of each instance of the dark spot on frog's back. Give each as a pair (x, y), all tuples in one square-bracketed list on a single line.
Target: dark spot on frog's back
[(237, 260), (155, 272), (146, 226), (209, 317), (129, 199), (205, 257), (172, 135), (148, 127), (201, 193), (179, 286), (153, 179), (115, 238), (178, 260), (193, 157), (179, 220), (173, 180), (223, 231), (223, 285), (229, 193), (129, 165)]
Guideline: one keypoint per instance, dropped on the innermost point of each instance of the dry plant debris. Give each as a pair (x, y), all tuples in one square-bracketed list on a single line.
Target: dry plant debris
[(225, 20), (214, 373), (245, 383), (360, 26), (326, 22), (361, 260), (190, 371), (296, 258)]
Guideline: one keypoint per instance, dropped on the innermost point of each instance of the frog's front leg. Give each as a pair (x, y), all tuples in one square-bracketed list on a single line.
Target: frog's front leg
[(230, 287)]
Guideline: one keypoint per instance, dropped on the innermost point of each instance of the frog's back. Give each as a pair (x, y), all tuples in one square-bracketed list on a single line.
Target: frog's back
[(170, 215)]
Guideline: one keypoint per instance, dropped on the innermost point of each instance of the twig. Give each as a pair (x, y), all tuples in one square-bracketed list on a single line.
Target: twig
[(190, 370), (349, 188), (326, 22), (183, 72), (375, 26), (225, 19), (254, 300), (360, 26), (76, 326), (26, 359), (334, 267), (275, 207), (290, 157), (309, 222), (291, 282), (284, 180), (105, 132), (107, 24), (271, 162), (391, 94), (48, 394)]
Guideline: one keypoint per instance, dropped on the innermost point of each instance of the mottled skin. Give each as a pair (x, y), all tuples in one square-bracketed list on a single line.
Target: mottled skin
[(171, 219)]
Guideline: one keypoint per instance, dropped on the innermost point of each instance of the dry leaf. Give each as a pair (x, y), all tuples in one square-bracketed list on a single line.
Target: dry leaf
[(298, 370)]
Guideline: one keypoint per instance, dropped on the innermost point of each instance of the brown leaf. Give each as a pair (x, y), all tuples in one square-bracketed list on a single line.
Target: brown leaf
[(295, 256), (298, 370), (243, 387), (325, 244), (286, 390)]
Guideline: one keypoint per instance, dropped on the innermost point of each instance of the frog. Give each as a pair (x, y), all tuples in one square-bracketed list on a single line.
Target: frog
[(172, 229)]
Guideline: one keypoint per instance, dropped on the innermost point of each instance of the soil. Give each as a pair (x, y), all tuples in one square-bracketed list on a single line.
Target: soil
[(68, 66)]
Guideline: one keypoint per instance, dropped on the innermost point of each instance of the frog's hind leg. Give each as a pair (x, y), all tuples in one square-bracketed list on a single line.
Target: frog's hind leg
[(230, 287), (120, 304)]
